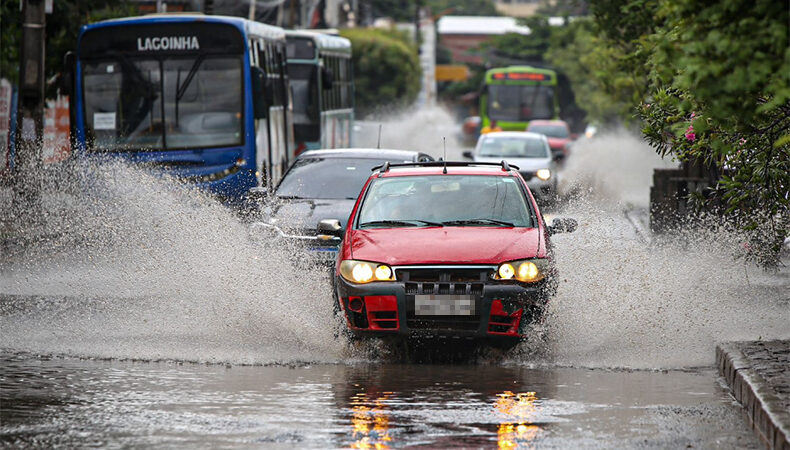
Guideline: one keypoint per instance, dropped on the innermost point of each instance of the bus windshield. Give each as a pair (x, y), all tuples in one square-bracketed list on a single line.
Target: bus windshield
[(175, 103), (520, 103)]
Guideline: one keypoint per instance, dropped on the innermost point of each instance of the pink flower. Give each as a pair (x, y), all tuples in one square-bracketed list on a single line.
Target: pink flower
[(690, 136)]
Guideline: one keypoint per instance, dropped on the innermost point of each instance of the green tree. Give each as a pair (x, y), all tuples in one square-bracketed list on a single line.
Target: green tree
[(720, 93), (387, 70)]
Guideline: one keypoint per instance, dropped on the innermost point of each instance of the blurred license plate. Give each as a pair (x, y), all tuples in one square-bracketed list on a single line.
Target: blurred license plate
[(444, 305)]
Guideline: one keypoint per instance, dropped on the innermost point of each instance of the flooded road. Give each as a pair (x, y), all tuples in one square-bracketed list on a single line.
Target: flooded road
[(150, 319), (71, 402)]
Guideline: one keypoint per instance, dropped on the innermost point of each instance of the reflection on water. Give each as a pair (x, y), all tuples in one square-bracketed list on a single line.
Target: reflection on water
[(520, 410), (370, 421), (72, 403)]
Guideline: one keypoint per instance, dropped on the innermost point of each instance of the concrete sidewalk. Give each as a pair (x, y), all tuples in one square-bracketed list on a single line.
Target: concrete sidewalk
[(758, 372)]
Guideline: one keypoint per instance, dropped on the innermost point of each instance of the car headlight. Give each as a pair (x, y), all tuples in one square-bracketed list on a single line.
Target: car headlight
[(362, 272), (543, 174), (525, 270)]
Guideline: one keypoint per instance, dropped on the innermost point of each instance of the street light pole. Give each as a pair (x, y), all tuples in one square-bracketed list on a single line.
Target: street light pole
[(30, 115)]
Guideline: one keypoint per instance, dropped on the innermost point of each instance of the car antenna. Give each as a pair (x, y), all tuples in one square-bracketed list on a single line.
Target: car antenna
[(444, 144), (378, 144)]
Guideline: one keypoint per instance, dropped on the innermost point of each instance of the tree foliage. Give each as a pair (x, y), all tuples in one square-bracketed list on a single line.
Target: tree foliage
[(720, 93), (387, 70)]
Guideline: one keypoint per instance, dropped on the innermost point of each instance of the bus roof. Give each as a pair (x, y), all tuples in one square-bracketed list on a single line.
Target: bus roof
[(249, 26), (323, 41)]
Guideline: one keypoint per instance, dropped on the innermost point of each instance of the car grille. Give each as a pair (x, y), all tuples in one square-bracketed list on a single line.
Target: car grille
[(443, 323), (443, 280), (438, 280)]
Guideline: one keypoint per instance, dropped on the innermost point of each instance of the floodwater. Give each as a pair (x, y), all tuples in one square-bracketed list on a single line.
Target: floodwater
[(71, 402), (149, 317)]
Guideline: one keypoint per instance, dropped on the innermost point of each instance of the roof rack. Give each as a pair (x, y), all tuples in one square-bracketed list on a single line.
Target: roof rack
[(386, 166)]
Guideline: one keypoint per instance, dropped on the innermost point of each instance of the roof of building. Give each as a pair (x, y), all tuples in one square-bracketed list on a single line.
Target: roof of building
[(480, 25)]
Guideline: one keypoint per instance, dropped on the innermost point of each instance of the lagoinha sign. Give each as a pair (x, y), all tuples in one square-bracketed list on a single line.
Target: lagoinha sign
[(168, 43)]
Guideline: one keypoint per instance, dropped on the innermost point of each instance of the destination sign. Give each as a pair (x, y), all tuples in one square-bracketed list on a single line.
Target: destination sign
[(168, 43), (170, 38), (529, 76)]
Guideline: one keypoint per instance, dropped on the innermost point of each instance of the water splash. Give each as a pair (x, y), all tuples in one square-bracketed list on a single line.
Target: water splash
[(146, 268), (626, 301)]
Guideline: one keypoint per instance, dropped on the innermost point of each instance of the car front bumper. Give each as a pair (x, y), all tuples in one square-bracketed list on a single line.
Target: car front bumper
[(501, 308)]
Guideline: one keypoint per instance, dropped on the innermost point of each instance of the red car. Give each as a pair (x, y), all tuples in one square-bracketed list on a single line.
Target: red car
[(557, 132), (438, 249)]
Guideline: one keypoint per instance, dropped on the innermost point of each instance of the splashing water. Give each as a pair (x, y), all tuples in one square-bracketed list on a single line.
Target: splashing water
[(146, 269), (626, 303)]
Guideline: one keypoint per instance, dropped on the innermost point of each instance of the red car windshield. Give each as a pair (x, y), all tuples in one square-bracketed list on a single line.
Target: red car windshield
[(445, 200)]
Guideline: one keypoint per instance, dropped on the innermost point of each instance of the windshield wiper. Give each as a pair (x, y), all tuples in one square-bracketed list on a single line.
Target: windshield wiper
[(480, 221), (182, 88), (400, 223)]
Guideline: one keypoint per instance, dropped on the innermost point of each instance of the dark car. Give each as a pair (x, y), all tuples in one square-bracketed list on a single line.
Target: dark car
[(434, 250), (323, 184)]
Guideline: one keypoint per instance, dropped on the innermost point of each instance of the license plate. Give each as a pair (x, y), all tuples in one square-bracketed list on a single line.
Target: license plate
[(444, 305)]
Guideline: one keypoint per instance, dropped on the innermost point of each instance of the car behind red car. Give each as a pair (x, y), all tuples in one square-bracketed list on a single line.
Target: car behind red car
[(557, 132), (438, 249)]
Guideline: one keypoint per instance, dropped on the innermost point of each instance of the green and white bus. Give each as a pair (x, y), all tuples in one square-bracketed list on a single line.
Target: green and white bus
[(512, 96), (322, 82)]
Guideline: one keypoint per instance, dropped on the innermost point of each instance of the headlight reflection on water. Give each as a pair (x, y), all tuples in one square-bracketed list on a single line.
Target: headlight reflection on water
[(520, 409), (370, 421)]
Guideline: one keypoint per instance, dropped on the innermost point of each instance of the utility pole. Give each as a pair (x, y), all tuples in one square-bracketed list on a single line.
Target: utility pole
[(292, 5), (417, 35), (30, 114), (252, 10)]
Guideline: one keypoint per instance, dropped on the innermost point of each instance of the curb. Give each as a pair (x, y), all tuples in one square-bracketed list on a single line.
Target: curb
[(769, 420)]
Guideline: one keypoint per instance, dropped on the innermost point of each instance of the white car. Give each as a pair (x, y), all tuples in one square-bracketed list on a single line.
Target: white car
[(529, 151)]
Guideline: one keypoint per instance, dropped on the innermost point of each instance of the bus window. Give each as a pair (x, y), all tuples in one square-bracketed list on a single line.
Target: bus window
[(203, 102), (123, 107)]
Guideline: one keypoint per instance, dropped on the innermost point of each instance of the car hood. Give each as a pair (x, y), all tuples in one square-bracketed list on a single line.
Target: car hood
[(524, 164), (445, 245), (305, 214)]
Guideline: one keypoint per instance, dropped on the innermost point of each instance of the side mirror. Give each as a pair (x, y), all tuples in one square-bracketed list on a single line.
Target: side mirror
[(330, 227), (259, 92), (574, 136), (258, 195), (327, 78), (468, 154), (567, 225)]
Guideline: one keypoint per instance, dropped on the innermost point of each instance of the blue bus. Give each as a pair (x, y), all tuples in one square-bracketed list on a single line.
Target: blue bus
[(322, 81), (203, 98)]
